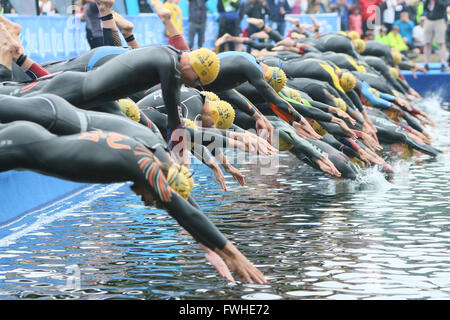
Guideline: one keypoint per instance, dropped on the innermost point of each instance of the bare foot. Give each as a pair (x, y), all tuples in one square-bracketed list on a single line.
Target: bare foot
[(293, 20), (125, 26), (9, 48), (163, 13), (105, 3), (257, 22), (13, 28), (222, 40)]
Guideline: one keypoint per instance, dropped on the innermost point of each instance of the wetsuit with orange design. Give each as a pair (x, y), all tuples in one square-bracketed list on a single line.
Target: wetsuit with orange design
[(112, 157), (123, 75), (240, 67)]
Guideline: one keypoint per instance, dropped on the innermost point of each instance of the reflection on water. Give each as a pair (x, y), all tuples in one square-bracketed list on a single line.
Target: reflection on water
[(313, 237)]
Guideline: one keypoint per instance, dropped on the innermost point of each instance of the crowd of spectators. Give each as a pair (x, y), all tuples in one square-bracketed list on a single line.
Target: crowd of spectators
[(412, 26)]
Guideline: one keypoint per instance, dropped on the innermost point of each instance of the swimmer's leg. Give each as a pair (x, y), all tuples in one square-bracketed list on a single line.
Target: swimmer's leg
[(14, 139), (9, 49)]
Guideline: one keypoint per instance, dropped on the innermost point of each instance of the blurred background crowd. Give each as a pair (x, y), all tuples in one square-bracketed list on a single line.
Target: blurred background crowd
[(401, 24)]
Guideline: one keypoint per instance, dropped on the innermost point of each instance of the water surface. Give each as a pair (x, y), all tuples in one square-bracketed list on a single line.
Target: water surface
[(313, 237)]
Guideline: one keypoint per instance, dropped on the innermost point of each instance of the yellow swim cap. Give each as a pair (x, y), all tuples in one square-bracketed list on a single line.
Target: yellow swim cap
[(284, 145), (359, 45), (189, 123), (318, 128), (394, 72), (222, 114), (292, 94), (353, 35), (211, 96), (347, 81), (130, 109), (407, 152), (276, 78), (206, 64), (180, 179), (396, 56), (340, 104), (358, 162)]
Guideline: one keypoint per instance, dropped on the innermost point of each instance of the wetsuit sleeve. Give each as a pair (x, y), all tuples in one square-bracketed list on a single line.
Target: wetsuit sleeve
[(387, 97), (275, 35), (238, 100), (307, 111), (169, 73), (195, 222), (333, 129), (328, 138), (405, 65), (370, 97), (36, 71), (280, 107), (319, 105), (5, 74), (355, 99), (178, 42), (258, 45)]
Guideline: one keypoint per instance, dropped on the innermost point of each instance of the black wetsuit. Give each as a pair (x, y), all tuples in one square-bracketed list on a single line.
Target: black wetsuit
[(378, 49), (123, 75), (389, 133), (380, 65), (308, 150), (191, 100), (99, 157), (237, 68), (86, 61), (333, 42), (61, 118), (253, 95)]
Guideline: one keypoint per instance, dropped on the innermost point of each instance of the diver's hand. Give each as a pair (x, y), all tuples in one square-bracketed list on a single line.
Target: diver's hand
[(239, 264), (218, 174), (327, 166), (304, 129), (217, 262), (370, 142), (344, 127), (237, 175), (342, 114), (264, 128)]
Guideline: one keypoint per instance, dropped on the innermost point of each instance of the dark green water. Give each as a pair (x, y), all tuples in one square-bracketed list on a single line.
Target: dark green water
[(312, 236)]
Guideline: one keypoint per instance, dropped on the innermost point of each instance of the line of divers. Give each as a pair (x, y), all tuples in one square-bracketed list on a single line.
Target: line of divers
[(331, 100)]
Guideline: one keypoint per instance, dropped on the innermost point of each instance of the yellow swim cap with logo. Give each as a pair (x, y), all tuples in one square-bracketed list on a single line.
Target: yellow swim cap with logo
[(340, 103), (276, 78), (180, 179), (359, 45), (130, 109), (347, 81), (206, 64), (394, 72), (211, 96), (283, 144), (396, 56), (222, 113)]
